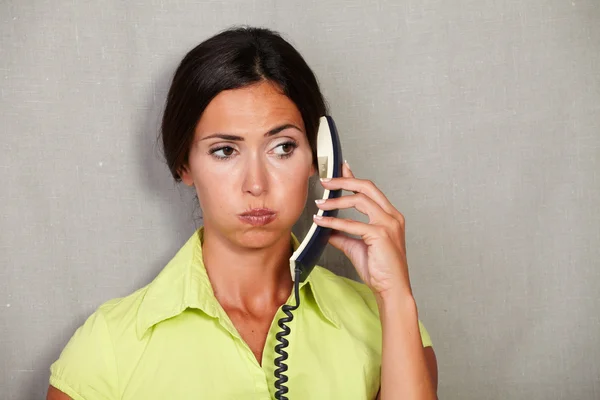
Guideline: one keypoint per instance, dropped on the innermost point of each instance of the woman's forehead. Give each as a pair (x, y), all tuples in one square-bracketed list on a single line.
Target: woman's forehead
[(250, 110)]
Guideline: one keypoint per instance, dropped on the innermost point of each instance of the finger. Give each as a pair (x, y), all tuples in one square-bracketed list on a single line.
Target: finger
[(361, 203), (349, 226), (346, 171), (362, 186)]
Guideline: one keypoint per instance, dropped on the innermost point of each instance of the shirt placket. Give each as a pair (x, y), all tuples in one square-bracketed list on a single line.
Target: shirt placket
[(261, 389)]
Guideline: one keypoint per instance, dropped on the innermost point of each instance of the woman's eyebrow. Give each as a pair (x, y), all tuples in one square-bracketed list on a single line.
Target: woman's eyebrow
[(234, 138), (280, 128)]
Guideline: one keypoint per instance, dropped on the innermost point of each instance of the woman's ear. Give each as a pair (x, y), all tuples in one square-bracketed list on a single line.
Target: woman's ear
[(313, 169), (186, 176)]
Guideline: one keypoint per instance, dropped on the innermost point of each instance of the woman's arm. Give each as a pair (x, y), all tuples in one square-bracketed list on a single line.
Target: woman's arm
[(432, 367), (379, 256), (408, 370), (55, 394)]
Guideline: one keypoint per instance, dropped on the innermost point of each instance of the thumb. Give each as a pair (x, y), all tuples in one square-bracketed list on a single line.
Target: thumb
[(343, 243), (354, 249)]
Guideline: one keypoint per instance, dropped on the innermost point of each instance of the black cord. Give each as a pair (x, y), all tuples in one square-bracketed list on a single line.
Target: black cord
[(283, 342)]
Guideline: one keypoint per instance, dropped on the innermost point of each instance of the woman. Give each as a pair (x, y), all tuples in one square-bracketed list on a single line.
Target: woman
[(240, 127)]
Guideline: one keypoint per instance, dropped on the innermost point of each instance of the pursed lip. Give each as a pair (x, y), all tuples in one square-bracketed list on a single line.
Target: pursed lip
[(258, 212), (258, 216)]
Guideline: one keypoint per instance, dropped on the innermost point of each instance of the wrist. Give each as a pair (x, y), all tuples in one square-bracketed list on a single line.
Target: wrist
[(396, 302)]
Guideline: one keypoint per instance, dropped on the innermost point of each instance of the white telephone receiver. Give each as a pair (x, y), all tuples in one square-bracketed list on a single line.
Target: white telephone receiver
[(329, 158)]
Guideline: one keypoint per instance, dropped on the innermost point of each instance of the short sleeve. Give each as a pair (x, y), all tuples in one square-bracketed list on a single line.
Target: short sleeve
[(425, 336), (86, 368)]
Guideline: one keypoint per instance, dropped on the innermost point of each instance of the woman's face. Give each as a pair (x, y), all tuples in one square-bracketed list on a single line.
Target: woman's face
[(250, 152)]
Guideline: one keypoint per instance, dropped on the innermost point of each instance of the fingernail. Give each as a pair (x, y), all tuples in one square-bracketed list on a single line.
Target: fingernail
[(317, 216), (347, 164), (320, 201), (325, 179)]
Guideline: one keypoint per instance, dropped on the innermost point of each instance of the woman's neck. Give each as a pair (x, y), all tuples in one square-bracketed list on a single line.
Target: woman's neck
[(245, 278)]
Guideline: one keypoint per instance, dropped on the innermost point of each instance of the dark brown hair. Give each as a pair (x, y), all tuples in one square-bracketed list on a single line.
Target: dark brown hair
[(232, 59)]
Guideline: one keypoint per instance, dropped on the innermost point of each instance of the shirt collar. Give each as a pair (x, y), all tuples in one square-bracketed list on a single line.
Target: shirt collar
[(184, 283)]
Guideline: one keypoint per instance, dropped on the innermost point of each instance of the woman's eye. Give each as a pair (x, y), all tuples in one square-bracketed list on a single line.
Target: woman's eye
[(282, 150), (223, 152), (285, 149)]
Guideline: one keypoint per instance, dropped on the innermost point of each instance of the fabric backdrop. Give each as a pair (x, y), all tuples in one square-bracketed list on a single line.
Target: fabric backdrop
[(480, 120)]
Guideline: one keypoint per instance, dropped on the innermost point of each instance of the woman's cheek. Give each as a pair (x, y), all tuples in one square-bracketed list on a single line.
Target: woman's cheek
[(295, 191)]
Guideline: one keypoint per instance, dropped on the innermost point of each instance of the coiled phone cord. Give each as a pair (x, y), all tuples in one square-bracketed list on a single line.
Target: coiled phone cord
[(283, 342)]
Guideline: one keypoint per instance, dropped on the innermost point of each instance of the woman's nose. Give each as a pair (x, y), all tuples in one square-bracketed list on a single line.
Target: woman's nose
[(255, 177)]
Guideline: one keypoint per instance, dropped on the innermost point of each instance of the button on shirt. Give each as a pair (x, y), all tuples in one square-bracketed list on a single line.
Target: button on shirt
[(173, 340)]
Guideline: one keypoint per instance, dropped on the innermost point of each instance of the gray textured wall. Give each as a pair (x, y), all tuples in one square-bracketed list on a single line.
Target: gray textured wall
[(479, 119)]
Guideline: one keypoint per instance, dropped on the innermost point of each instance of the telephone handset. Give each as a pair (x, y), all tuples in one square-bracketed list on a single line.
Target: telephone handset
[(302, 262), (329, 159)]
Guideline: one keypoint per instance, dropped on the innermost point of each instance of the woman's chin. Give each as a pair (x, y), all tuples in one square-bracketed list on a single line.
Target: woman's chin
[(257, 238)]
